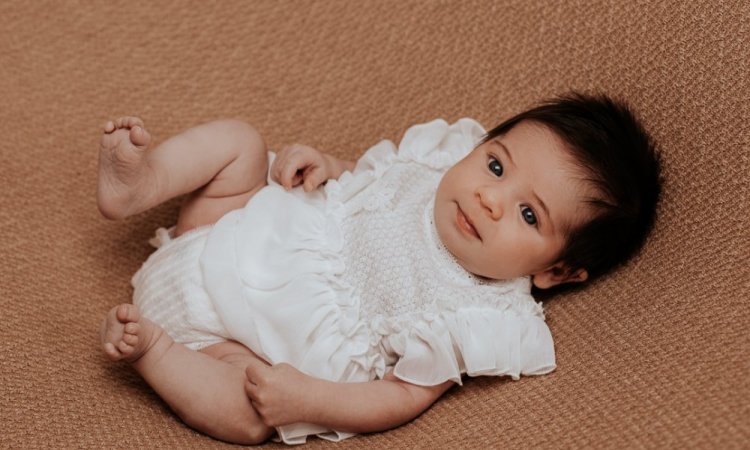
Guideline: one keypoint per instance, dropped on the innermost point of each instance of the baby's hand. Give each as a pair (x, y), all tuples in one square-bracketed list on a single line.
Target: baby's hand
[(277, 393), (296, 164)]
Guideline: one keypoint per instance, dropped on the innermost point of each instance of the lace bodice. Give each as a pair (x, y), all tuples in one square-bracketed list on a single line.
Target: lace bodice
[(396, 261)]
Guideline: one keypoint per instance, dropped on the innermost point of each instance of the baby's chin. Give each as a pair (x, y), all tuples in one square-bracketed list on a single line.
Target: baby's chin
[(479, 269), (450, 240), (456, 244), (459, 255)]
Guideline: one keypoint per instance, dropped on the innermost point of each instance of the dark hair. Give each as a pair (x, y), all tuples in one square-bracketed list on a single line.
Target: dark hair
[(609, 143)]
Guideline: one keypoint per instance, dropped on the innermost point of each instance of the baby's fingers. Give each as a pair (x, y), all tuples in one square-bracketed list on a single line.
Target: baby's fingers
[(291, 167), (313, 176), (289, 175), (255, 373), (251, 390), (277, 169)]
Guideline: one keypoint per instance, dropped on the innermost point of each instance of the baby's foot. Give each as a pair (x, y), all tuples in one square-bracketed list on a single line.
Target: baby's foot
[(125, 335), (125, 178)]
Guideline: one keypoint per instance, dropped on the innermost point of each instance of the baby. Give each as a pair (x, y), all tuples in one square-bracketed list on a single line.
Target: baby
[(302, 294)]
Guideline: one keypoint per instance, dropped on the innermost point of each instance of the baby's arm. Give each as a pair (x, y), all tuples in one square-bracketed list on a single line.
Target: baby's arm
[(282, 395), (297, 164)]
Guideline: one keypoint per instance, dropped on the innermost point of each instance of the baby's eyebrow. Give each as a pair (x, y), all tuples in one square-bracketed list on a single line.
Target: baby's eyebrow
[(544, 207), (506, 151)]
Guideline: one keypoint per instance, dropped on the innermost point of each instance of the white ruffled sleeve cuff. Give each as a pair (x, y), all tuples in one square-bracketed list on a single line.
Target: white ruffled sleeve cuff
[(476, 341), (439, 145), (435, 144)]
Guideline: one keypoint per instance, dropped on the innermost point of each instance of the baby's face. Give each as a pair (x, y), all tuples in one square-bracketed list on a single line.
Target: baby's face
[(503, 211)]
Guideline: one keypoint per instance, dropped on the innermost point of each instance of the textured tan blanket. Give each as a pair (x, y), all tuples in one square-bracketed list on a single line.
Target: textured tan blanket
[(654, 355)]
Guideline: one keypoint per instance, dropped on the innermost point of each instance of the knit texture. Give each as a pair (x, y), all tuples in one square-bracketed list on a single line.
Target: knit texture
[(654, 355), (168, 290)]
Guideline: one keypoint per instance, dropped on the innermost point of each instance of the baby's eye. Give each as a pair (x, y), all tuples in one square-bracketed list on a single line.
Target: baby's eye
[(495, 167), (528, 215)]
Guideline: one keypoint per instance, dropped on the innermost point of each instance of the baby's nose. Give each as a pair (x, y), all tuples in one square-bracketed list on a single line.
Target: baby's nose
[(491, 202)]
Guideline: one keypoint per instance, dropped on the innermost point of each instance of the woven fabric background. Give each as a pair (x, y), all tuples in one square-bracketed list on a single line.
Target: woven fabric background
[(654, 355)]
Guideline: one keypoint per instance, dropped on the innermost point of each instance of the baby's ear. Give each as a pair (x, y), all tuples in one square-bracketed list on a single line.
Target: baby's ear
[(558, 274)]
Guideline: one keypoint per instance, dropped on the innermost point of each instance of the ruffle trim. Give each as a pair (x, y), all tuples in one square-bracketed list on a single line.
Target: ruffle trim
[(437, 347), (439, 145), (435, 144)]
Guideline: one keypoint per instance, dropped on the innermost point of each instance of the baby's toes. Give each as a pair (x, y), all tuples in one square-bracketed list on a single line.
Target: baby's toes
[(132, 328), (109, 139), (109, 127), (111, 351), (127, 313), (130, 339), (139, 136), (130, 335), (132, 121), (125, 348), (123, 122)]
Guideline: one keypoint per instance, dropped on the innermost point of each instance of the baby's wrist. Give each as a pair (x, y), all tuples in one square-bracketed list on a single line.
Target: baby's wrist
[(311, 402), (337, 166), (332, 166)]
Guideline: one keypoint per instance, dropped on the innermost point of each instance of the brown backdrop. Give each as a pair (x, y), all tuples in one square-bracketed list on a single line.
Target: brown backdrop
[(654, 355)]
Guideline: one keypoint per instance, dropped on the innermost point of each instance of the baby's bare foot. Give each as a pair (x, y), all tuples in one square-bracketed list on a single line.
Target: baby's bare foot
[(125, 335), (126, 180)]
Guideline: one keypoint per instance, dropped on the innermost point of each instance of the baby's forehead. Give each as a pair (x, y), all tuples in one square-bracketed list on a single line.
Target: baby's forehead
[(551, 173)]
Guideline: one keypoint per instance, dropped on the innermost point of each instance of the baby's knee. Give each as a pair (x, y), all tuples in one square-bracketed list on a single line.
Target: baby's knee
[(248, 432), (248, 139), (258, 433)]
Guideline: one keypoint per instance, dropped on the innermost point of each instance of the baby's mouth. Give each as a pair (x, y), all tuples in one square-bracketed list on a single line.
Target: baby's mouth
[(464, 223)]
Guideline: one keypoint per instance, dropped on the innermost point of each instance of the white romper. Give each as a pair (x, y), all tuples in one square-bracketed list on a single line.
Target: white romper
[(349, 281)]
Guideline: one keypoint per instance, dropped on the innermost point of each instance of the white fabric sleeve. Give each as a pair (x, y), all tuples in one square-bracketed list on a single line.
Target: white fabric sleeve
[(476, 341), (439, 145), (435, 144)]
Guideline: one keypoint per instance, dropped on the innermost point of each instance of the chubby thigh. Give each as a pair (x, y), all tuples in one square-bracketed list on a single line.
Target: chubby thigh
[(244, 173)]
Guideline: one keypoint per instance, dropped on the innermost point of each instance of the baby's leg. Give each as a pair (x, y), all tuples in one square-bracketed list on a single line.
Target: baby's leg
[(223, 163), (205, 392)]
